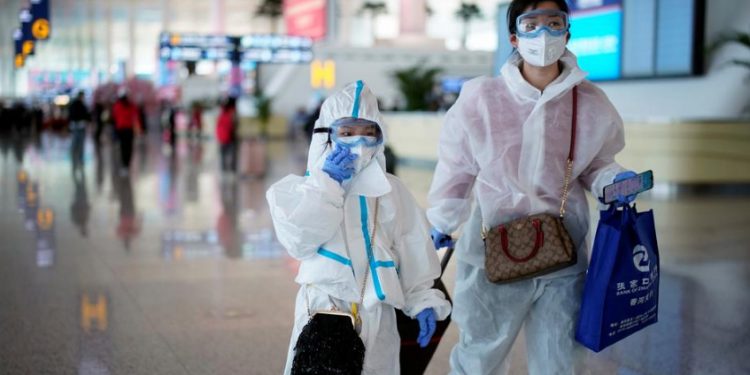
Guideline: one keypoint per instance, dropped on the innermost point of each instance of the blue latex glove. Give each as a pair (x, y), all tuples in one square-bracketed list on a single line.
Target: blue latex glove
[(340, 164), (623, 200), (440, 240), (427, 324)]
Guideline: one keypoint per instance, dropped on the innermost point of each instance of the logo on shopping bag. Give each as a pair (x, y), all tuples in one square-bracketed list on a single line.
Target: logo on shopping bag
[(640, 258)]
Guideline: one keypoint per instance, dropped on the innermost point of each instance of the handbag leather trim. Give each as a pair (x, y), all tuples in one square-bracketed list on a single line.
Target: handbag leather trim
[(537, 244)]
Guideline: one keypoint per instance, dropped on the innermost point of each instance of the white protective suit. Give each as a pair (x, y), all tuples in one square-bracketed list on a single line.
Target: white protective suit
[(326, 227), (503, 150)]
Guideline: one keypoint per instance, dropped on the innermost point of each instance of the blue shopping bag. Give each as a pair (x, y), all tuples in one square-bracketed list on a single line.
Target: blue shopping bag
[(621, 295)]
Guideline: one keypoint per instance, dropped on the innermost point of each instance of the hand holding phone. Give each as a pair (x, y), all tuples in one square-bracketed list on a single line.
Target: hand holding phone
[(621, 190)]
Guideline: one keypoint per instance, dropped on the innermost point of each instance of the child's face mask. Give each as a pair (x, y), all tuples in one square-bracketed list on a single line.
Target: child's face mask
[(364, 153)]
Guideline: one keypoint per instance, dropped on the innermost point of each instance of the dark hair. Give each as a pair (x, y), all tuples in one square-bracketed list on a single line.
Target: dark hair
[(230, 103), (518, 7)]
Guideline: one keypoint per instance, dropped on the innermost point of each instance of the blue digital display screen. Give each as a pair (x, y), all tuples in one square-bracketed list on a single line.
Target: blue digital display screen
[(596, 38)]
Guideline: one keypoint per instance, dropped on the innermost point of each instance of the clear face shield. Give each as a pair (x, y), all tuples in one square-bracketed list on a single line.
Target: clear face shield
[(352, 132), (361, 137), (531, 24)]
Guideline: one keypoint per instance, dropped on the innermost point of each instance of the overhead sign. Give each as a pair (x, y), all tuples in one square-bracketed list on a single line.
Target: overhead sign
[(19, 59), (35, 25), (28, 40), (323, 74), (40, 23), (195, 40), (271, 48), (305, 18), (257, 48), (195, 47)]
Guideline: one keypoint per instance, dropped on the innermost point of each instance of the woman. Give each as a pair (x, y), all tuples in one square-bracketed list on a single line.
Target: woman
[(506, 141), (351, 224)]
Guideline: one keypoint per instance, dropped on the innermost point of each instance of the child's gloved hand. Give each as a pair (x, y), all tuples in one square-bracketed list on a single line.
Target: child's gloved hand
[(340, 164), (427, 324), (441, 240), (622, 199)]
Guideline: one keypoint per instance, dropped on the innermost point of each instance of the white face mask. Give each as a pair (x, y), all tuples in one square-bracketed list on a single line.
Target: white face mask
[(365, 154), (543, 50)]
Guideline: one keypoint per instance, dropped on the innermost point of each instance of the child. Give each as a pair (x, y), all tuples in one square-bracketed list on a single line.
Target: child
[(326, 220)]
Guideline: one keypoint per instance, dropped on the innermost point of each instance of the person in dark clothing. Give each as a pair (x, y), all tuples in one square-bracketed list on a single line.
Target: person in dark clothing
[(391, 161), (78, 115), (125, 116), (78, 111), (4, 119), (172, 127)]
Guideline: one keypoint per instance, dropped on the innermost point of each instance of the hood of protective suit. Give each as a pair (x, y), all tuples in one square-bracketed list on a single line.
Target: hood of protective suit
[(570, 75), (354, 100)]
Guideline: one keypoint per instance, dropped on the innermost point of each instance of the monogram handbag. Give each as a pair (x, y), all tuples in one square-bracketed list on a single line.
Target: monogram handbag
[(534, 245)]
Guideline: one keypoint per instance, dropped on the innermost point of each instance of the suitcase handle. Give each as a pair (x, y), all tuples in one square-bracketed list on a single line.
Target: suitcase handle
[(446, 258)]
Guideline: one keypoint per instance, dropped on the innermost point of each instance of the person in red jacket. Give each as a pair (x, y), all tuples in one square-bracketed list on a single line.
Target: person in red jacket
[(226, 128), (125, 116)]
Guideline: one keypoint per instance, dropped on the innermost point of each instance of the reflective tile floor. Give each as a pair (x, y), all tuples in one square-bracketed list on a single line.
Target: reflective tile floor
[(176, 270)]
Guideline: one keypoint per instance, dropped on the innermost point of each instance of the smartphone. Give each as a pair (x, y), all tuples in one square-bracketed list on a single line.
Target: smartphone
[(634, 185)]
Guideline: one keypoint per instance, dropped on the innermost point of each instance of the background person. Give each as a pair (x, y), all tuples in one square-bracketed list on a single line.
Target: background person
[(226, 136), (125, 115)]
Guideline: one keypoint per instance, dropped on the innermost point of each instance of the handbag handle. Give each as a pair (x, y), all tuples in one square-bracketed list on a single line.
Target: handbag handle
[(354, 306), (538, 243), (569, 163)]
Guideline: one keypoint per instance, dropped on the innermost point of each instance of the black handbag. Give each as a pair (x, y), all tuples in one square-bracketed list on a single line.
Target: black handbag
[(329, 344)]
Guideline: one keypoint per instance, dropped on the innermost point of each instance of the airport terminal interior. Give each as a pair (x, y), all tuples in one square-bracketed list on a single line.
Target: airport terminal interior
[(172, 264)]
